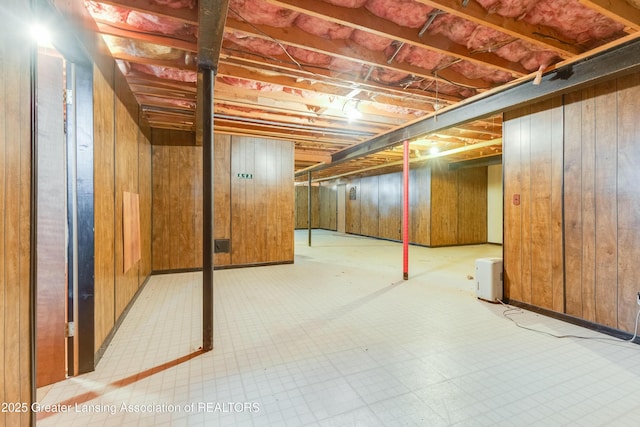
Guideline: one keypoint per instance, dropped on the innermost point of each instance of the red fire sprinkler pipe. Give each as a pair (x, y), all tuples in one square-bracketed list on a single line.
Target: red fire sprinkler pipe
[(405, 213)]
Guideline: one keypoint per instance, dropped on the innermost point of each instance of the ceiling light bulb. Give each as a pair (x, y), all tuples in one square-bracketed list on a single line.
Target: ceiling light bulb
[(41, 35), (434, 150)]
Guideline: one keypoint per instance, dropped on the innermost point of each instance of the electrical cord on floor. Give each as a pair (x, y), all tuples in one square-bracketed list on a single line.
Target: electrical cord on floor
[(515, 310)]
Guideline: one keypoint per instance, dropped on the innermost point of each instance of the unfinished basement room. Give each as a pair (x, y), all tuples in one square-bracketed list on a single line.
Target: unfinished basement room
[(320, 212)]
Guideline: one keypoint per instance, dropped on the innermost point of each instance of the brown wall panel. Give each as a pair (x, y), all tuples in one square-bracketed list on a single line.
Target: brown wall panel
[(573, 203), (222, 196), (328, 206), (15, 152), (512, 245), (261, 232), (160, 204), (606, 218), (144, 188), (104, 203), (542, 123), (420, 205), (472, 202), (302, 206), (628, 200), (583, 159), (353, 207), (444, 205), (390, 206), (526, 203), (285, 197), (588, 204), (126, 179), (369, 206)]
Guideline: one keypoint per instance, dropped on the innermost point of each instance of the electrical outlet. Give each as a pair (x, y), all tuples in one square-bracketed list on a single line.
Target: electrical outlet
[(638, 298)]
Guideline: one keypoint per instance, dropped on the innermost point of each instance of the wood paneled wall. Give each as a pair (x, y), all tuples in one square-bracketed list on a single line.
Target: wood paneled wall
[(578, 154), (302, 208), (256, 214), (122, 162), (323, 206), (446, 207), (533, 172), (328, 206), (15, 208)]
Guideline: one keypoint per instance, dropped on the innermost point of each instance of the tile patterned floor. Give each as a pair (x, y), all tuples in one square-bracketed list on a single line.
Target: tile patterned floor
[(336, 339)]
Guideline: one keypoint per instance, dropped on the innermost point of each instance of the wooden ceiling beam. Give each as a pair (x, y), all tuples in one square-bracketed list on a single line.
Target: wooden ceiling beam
[(284, 65), (129, 32), (348, 51), (324, 88), (539, 35), (622, 60), (364, 20), (619, 11), (188, 16)]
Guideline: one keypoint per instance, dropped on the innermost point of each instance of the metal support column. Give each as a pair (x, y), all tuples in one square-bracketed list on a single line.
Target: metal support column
[(309, 207), (405, 213), (212, 15), (207, 208)]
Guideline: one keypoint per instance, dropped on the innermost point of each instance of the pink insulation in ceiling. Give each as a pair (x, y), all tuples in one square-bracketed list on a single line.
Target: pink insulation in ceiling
[(177, 4), (254, 44), (407, 13), (138, 20), (423, 58), (347, 3), (322, 28), (261, 13), (370, 41), (570, 18), (166, 72)]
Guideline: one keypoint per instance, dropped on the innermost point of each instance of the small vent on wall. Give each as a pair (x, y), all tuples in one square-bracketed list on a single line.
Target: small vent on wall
[(352, 193), (221, 246)]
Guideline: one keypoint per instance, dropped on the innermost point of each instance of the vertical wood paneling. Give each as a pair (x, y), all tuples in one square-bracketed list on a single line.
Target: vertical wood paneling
[(285, 196), (104, 203), (5, 138), (126, 162), (512, 172), (557, 168), (420, 205), (444, 205), (540, 203), (526, 203), (390, 206), (353, 207), (327, 212), (369, 206), (573, 203), (472, 205), (160, 233), (588, 204), (144, 188), (628, 199), (261, 202), (222, 197), (606, 221), (15, 182)]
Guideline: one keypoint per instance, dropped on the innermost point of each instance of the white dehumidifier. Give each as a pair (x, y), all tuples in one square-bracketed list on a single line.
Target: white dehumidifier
[(489, 279)]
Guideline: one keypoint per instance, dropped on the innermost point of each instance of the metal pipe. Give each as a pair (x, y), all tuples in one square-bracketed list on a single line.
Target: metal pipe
[(309, 206), (207, 208), (405, 213)]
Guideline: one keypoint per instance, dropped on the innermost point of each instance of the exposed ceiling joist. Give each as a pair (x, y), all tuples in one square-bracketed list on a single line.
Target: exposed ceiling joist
[(623, 60)]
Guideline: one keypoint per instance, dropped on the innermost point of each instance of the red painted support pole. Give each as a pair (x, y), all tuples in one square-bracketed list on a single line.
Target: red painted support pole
[(405, 213)]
